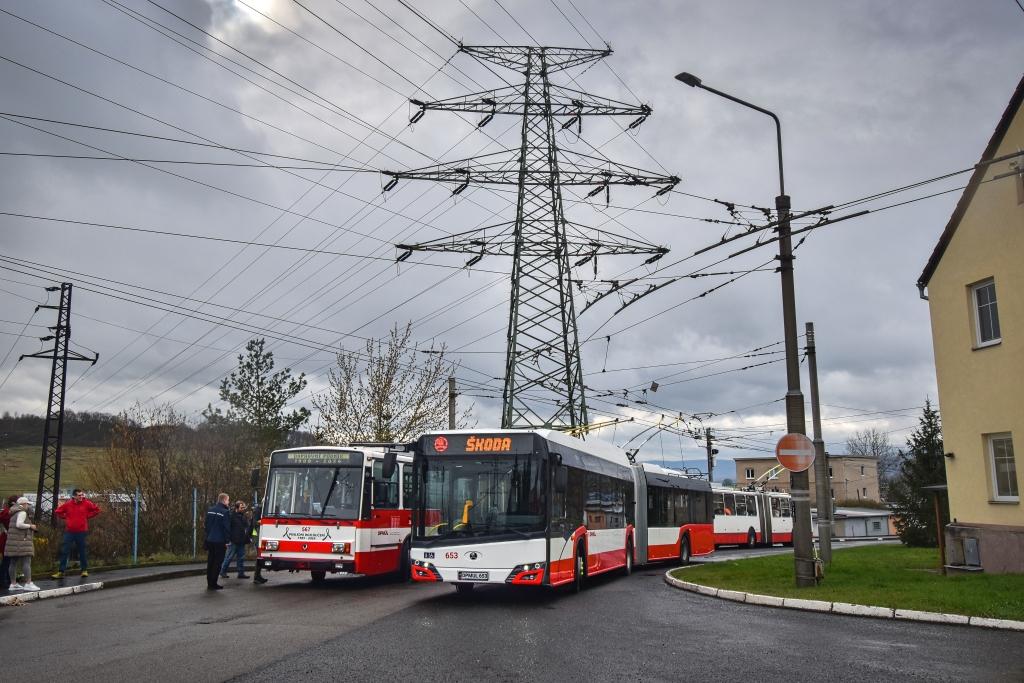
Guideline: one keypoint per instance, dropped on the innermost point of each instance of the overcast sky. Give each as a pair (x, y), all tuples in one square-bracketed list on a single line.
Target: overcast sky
[(873, 95)]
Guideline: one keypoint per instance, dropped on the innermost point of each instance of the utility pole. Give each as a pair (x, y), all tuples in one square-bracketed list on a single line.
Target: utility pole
[(822, 483), (543, 375), (53, 431), (711, 452), (451, 402)]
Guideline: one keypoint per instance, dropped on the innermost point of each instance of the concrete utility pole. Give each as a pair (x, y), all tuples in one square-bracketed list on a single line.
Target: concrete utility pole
[(451, 402), (803, 546), (711, 452), (822, 488)]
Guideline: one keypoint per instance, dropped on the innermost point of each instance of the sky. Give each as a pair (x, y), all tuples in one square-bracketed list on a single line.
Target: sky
[(873, 96)]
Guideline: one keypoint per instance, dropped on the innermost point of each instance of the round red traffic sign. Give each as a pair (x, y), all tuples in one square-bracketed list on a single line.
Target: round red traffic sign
[(795, 452)]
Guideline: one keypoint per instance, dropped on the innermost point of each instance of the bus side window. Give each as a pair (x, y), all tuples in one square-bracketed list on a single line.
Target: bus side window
[(752, 506), (785, 507), (385, 492), (730, 504), (776, 510), (741, 506), (719, 504)]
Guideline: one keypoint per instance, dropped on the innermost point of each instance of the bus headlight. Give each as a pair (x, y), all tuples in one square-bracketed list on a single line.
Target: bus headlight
[(530, 573), (269, 545), (339, 547)]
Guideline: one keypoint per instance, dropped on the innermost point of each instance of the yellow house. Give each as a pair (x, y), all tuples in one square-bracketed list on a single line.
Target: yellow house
[(974, 283)]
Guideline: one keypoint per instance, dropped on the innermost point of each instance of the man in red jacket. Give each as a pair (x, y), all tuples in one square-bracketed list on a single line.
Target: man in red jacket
[(76, 514)]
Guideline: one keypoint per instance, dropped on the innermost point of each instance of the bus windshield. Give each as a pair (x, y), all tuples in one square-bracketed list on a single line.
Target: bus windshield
[(324, 492), (464, 497)]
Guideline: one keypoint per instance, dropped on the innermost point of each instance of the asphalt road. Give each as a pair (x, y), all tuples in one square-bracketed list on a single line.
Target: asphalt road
[(622, 628)]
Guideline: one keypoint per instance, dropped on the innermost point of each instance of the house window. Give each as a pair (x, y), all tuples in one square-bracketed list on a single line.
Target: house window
[(1004, 468), (862, 470), (750, 473), (865, 492), (986, 313), (830, 471), (876, 526)]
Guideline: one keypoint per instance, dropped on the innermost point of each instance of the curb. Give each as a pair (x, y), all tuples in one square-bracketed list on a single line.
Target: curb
[(844, 608), (30, 596)]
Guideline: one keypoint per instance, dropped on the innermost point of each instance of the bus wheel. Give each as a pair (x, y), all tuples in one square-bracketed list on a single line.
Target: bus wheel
[(318, 575), (751, 539), (628, 569), (580, 572), (684, 551), (463, 588)]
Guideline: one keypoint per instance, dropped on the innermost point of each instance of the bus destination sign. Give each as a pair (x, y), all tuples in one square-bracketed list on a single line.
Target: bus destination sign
[(316, 459), (458, 444)]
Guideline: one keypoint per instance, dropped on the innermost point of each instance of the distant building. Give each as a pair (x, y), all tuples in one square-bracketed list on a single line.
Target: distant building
[(859, 523), (852, 478), (975, 290)]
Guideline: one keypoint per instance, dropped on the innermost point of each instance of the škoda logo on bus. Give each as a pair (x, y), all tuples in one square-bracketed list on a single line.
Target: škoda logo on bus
[(497, 444)]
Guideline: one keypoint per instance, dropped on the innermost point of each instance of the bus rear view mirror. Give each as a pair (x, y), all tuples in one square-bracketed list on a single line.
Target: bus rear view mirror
[(561, 479), (387, 467)]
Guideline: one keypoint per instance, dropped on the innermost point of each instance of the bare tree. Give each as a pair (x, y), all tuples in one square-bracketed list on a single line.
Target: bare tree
[(401, 393), (872, 443)]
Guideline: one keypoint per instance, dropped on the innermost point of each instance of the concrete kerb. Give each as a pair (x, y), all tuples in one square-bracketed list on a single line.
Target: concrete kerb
[(843, 608), (22, 597)]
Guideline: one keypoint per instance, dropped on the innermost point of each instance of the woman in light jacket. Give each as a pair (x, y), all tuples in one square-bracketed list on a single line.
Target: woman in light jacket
[(20, 547)]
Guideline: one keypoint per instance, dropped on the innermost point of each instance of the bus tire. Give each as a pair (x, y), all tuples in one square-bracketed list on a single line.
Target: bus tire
[(684, 551), (580, 569), (628, 569), (463, 588), (751, 538), (319, 575)]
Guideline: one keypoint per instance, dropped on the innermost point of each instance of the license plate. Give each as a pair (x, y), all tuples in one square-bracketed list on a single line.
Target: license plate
[(474, 576)]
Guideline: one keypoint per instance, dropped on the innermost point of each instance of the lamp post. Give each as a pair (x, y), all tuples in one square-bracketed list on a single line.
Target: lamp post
[(795, 420)]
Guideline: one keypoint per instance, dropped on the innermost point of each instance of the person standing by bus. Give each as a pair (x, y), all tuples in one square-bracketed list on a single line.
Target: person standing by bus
[(254, 538), (218, 537), (239, 538), (76, 514)]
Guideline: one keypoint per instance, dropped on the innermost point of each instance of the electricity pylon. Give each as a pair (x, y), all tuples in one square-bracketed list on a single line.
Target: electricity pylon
[(53, 430), (543, 378)]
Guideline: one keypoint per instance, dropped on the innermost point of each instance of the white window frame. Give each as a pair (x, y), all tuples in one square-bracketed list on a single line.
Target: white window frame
[(990, 440), (978, 343), (749, 472)]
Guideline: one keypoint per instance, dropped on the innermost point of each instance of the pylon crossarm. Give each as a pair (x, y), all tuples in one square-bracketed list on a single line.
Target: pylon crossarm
[(517, 57), (500, 240), (564, 102)]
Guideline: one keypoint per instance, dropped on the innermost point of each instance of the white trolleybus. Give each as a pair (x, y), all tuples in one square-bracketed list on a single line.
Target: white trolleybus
[(538, 507), (752, 518), (336, 510)]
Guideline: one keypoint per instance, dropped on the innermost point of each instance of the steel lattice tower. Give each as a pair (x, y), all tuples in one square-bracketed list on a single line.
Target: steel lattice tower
[(543, 377), (53, 431)]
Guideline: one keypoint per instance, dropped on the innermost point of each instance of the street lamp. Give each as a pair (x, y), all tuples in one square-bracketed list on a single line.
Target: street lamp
[(795, 420)]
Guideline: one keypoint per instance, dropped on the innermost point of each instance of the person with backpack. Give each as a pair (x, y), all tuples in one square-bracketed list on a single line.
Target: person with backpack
[(20, 546)]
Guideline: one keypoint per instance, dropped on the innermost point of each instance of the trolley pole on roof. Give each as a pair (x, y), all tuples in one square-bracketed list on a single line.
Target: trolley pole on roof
[(821, 481)]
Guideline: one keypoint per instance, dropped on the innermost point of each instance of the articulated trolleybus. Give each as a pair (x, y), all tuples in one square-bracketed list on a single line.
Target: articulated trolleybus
[(752, 518), (336, 510), (538, 507)]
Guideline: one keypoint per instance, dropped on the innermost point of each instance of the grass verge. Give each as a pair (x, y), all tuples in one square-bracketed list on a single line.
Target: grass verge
[(882, 575)]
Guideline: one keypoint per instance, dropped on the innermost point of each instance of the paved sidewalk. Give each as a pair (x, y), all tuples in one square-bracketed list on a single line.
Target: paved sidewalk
[(110, 578)]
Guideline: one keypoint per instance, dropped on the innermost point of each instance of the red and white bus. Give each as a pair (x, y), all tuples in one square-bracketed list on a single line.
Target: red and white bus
[(752, 518), (336, 510), (538, 507)]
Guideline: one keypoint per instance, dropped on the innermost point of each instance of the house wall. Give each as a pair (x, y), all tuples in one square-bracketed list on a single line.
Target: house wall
[(847, 482), (979, 388)]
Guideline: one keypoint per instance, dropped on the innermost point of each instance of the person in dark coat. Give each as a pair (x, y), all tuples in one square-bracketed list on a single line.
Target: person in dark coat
[(5, 565), (239, 538), (254, 538), (218, 537)]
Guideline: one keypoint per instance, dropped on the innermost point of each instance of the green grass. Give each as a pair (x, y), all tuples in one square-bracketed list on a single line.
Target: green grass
[(19, 467), (882, 575)]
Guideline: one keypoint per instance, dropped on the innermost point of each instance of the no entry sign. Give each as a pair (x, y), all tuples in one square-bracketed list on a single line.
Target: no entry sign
[(795, 452)]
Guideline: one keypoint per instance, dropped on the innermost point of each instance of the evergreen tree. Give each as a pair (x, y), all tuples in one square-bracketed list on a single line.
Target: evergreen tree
[(921, 465), (256, 397)]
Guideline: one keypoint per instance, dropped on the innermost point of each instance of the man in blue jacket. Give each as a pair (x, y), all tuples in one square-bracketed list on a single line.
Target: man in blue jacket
[(218, 536)]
